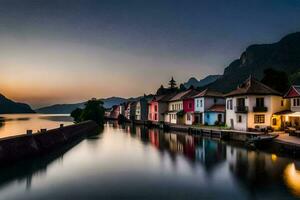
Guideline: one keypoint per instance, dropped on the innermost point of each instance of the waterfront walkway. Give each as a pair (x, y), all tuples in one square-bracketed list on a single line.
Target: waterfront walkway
[(284, 138)]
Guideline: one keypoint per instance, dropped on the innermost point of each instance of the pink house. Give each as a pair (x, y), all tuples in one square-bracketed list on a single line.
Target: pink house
[(158, 107)]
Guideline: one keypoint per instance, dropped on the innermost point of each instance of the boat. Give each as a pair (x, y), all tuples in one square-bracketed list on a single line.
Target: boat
[(260, 141)]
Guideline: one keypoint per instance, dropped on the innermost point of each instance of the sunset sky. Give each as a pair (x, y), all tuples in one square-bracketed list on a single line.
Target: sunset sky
[(69, 51)]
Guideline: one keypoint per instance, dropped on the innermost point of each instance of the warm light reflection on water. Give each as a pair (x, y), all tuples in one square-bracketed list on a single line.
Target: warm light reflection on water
[(292, 178), (17, 124), (127, 162)]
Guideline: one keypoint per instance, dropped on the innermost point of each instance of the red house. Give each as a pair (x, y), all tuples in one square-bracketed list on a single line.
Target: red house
[(189, 107)]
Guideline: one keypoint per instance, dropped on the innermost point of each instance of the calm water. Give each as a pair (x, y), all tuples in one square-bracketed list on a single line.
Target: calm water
[(16, 124), (137, 163)]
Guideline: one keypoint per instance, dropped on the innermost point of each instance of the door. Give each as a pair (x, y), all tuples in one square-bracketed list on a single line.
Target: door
[(220, 118), (231, 123)]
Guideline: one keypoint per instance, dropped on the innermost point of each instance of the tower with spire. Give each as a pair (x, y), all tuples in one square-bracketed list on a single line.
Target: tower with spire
[(172, 83)]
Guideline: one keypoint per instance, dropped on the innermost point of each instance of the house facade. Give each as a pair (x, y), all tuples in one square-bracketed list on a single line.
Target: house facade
[(252, 105), (158, 107), (141, 109), (203, 102), (291, 116), (189, 107), (175, 108)]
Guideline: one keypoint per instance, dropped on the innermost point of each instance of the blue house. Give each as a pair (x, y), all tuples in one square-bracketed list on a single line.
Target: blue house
[(209, 106)]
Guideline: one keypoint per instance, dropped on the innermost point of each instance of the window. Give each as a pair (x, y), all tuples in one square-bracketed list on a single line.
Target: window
[(197, 101), (155, 116), (259, 119), (155, 108), (190, 105), (274, 121), (201, 103), (215, 100), (239, 119), (282, 103), (207, 116), (229, 104), (260, 102), (296, 102), (241, 102)]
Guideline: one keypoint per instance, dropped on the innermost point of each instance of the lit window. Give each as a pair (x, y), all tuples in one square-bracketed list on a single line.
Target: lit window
[(259, 119)]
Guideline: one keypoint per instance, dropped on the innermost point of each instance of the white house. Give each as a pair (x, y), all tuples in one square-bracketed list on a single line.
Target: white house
[(204, 101), (252, 105), (175, 105)]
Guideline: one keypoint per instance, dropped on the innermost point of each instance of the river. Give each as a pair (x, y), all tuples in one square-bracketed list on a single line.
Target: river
[(125, 162)]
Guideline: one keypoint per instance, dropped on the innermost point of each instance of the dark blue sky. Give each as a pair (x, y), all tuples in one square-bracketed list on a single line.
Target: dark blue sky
[(139, 42)]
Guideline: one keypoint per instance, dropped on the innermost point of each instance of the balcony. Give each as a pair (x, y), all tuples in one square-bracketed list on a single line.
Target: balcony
[(241, 109), (260, 109)]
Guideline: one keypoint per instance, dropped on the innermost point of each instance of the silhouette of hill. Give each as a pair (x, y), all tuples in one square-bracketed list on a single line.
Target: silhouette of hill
[(8, 106), (283, 55), (68, 108)]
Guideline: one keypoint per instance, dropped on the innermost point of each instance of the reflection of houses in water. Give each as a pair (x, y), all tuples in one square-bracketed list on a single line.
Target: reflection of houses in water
[(175, 144), (255, 170), (154, 137), (142, 133), (210, 153), (189, 147)]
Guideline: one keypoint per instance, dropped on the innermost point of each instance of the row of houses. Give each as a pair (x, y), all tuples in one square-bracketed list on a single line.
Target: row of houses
[(251, 105)]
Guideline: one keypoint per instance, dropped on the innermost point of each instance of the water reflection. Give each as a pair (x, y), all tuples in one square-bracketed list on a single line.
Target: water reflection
[(134, 162), (17, 124), (255, 171)]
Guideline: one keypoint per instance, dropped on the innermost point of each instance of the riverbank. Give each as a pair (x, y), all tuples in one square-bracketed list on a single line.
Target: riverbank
[(21, 147), (283, 145)]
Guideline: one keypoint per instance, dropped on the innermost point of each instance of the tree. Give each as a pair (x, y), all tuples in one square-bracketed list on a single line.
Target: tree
[(76, 114), (278, 80), (182, 87), (172, 83), (161, 90), (93, 110)]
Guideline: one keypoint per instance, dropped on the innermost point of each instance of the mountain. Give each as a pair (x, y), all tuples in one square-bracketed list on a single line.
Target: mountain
[(8, 106), (207, 80), (68, 108), (283, 55)]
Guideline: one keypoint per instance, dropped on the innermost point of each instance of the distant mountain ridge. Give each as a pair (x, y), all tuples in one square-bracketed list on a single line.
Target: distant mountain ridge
[(68, 108), (283, 55), (207, 80), (8, 106)]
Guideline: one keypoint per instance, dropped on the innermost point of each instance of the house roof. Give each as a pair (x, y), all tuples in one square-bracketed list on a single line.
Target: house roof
[(294, 91), (208, 93), (181, 95), (163, 98), (253, 87), (217, 108), (284, 112)]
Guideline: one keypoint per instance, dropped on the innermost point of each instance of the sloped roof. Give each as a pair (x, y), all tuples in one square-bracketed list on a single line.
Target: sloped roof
[(294, 91), (208, 93), (191, 94), (163, 98), (217, 108), (181, 95), (253, 87)]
